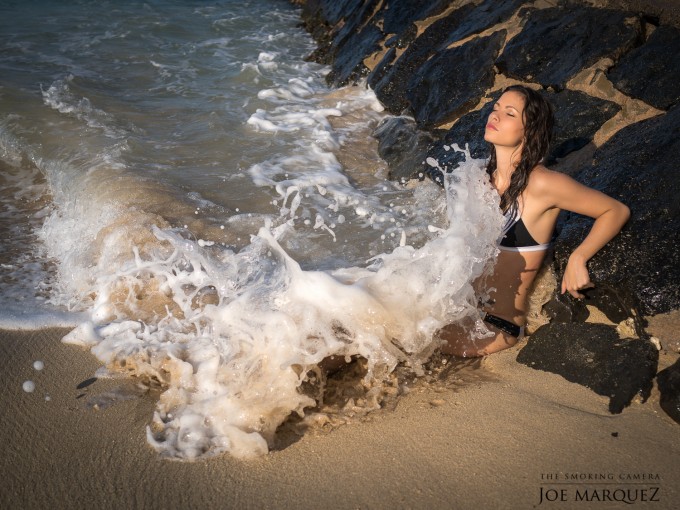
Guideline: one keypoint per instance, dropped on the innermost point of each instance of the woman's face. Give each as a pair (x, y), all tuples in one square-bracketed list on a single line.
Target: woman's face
[(505, 126)]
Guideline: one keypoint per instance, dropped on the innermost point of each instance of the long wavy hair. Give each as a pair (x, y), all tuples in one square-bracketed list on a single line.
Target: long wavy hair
[(538, 119)]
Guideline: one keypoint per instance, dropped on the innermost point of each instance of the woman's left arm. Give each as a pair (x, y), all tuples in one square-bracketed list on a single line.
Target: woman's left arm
[(610, 216)]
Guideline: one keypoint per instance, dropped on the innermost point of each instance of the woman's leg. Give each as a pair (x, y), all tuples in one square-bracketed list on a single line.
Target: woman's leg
[(457, 341)]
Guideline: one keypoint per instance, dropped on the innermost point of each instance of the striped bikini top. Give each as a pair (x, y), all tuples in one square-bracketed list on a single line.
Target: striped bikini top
[(515, 235)]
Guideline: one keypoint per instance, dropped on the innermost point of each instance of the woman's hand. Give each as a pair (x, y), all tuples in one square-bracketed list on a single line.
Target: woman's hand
[(576, 276)]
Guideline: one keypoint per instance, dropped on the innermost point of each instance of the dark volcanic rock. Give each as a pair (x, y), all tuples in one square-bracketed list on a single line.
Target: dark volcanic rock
[(669, 387), (556, 43), (348, 64), (578, 117), (398, 15), (320, 16), (365, 26), (403, 39), (606, 298), (402, 146), (391, 87), (329, 11), (485, 15), (382, 69), (356, 39), (652, 71), (463, 22), (638, 166), (448, 85), (356, 15), (593, 355)]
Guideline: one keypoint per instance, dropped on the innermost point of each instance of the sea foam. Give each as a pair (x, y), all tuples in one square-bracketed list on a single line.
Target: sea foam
[(243, 329)]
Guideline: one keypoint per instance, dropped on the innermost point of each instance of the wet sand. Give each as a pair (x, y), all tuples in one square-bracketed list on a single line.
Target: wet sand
[(491, 436)]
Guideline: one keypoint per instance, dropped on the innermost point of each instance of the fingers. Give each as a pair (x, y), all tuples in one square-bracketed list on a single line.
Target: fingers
[(574, 291), (576, 294), (576, 278)]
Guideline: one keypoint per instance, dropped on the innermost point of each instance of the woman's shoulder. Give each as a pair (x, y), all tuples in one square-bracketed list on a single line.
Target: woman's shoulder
[(547, 187), (543, 179)]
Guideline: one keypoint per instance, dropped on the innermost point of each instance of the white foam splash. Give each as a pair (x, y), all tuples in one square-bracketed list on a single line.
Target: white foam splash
[(232, 366)]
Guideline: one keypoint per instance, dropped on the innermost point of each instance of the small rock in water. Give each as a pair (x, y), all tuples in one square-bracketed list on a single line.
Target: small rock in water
[(28, 386), (38, 365)]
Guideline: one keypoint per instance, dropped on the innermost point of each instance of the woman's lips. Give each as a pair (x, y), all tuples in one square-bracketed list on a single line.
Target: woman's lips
[(491, 126)]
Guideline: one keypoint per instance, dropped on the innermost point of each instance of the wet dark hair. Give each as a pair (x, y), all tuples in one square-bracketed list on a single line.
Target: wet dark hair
[(538, 119)]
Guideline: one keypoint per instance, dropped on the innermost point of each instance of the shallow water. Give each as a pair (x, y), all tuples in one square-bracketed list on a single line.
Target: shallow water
[(181, 187)]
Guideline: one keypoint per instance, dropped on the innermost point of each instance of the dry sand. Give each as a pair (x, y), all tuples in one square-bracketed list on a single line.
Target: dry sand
[(489, 439)]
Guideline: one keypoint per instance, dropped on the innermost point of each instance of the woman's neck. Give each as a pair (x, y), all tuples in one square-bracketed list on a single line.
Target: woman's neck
[(506, 162)]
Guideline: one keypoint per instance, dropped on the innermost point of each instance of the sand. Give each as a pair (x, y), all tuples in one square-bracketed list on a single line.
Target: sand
[(488, 437)]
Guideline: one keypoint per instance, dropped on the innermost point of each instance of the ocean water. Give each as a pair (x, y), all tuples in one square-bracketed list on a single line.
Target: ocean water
[(183, 190)]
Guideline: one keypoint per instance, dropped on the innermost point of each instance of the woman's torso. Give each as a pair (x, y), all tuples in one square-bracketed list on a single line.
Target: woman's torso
[(518, 264)]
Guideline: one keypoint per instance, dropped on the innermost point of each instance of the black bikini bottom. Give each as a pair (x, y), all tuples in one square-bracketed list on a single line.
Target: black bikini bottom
[(505, 326)]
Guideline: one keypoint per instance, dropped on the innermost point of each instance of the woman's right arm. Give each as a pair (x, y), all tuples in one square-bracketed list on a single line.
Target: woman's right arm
[(610, 216)]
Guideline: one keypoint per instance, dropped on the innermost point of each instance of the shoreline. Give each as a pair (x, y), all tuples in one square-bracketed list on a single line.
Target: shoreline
[(491, 436)]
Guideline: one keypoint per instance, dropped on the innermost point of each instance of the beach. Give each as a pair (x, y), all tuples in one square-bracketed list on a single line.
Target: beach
[(207, 214), (497, 435)]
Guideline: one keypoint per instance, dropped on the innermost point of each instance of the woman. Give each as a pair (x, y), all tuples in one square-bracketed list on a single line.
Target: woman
[(520, 130)]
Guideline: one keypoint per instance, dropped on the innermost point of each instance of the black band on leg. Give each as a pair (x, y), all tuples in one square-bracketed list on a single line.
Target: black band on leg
[(506, 326)]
